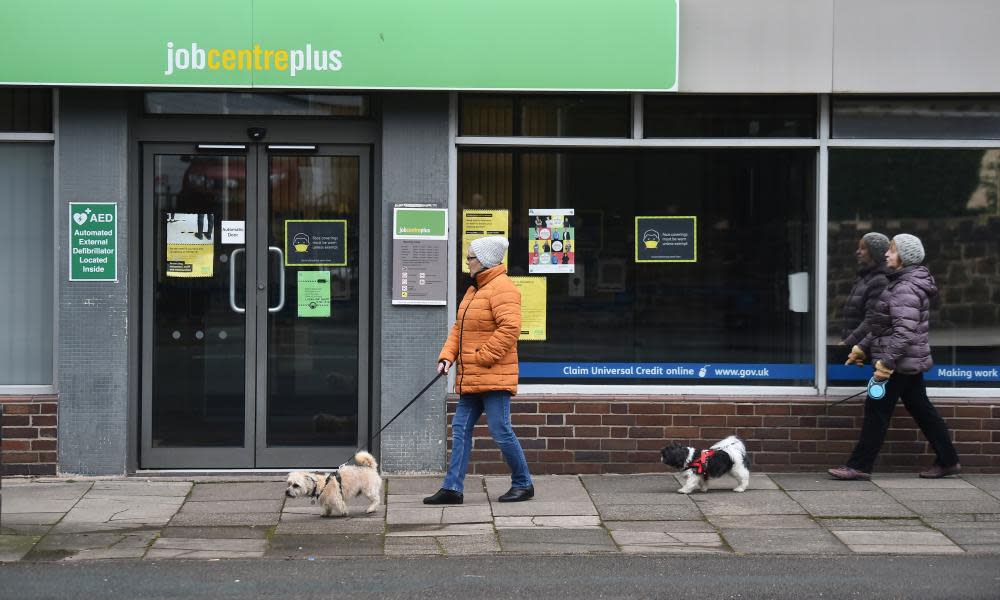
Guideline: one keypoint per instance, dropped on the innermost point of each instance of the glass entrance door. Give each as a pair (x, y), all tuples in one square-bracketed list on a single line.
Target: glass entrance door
[(255, 296)]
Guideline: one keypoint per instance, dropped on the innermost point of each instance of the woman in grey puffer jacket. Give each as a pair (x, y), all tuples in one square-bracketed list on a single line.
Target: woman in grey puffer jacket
[(897, 342)]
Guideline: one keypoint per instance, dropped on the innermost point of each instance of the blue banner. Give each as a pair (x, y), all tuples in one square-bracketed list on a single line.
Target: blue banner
[(756, 371), (976, 373)]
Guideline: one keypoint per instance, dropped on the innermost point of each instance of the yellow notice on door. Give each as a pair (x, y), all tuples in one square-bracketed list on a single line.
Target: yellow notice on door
[(534, 297), (190, 244)]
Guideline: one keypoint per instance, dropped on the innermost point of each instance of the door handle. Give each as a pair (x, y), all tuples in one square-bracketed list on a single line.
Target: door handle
[(232, 281), (281, 280)]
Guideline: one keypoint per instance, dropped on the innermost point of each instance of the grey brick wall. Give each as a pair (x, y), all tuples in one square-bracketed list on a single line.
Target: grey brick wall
[(92, 349), (414, 170)]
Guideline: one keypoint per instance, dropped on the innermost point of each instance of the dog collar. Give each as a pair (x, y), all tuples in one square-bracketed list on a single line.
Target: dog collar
[(316, 490), (698, 465)]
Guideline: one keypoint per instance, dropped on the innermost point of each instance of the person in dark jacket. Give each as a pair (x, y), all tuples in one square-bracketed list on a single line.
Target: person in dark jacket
[(897, 342), (868, 286)]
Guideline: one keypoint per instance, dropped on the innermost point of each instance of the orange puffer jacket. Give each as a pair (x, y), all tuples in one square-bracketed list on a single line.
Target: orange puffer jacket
[(487, 328)]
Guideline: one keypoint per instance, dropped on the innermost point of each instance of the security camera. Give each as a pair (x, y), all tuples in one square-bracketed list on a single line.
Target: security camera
[(256, 133)]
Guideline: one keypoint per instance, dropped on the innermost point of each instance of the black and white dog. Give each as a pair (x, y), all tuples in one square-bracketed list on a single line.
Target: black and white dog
[(728, 457)]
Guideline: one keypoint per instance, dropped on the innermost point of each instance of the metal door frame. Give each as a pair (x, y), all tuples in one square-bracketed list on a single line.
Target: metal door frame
[(254, 454)]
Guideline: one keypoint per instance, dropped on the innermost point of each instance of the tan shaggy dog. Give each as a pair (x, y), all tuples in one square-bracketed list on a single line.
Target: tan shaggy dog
[(334, 489)]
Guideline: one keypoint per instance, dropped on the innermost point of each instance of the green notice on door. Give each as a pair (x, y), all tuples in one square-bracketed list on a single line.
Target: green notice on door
[(314, 293), (93, 252)]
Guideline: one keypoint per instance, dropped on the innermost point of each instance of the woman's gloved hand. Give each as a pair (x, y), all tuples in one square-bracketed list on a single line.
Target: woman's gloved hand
[(857, 357), (881, 371), (443, 365)]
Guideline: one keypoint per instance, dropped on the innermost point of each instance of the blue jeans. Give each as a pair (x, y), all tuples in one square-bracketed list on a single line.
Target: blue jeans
[(470, 408)]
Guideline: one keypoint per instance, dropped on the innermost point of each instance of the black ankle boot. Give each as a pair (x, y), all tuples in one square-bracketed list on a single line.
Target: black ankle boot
[(443, 496), (516, 494)]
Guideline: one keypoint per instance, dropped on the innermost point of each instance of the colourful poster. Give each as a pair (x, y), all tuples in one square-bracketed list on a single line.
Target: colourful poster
[(551, 240), (313, 293), (534, 295), (190, 244), (482, 223)]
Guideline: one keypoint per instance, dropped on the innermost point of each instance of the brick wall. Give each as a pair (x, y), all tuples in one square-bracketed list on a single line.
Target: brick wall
[(29, 435), (624, 434)]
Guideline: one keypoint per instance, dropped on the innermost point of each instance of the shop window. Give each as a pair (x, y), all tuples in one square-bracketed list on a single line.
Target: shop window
[(949, 199), (26, 110), (545, 115), (26, 296), (740, 314), (763, 116), (262, 104), (966, 118)]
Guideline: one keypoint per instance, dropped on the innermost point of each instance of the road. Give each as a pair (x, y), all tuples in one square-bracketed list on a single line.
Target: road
[(547, 577)]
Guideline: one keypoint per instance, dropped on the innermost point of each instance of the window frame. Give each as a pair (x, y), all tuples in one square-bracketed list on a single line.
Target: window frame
[(52, 140), (822, 143)]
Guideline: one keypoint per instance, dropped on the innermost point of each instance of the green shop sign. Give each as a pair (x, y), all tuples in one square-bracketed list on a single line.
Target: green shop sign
[(93, 252), (575, 45)]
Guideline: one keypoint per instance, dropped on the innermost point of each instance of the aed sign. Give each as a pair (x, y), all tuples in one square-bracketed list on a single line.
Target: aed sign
[(93, 249)]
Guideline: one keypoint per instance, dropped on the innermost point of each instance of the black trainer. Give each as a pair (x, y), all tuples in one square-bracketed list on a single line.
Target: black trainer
[(443, 496), (516, 494)]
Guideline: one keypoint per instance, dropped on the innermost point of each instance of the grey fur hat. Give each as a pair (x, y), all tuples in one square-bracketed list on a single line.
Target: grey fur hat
[(909, 248), (877, 244)]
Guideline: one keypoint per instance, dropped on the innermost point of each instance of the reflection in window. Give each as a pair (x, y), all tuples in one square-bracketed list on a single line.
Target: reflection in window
[(947, 198), (967, 118), (754, 212), (546, 115), (758, 116)]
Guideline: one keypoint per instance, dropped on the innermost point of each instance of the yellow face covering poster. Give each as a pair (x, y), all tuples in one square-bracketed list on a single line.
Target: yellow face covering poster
[(533, 305), (190, 244), (482, 223)]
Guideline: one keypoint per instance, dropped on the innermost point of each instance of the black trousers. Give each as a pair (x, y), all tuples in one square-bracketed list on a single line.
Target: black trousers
[(878, 412)]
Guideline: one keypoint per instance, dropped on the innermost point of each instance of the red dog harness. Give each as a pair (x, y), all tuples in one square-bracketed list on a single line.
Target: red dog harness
[(698, 465)]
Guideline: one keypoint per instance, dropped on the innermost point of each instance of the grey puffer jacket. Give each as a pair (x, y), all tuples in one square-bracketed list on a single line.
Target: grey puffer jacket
[(858, 309), (901, 321)]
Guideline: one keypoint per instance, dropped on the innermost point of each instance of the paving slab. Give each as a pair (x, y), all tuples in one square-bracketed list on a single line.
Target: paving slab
[(224, 520), (355, 509), (319, 526), (416, 500), (661, 526), (233, 533), (650, 512), (649, 542), (28, 523), (929, 501), (427, 485), (876, 524), (974, 533), (758, 481), (575, 522), (819, 482), (851, 504), (466, 514), (897, 542), (115, 513), (430, 515), (541, 508), (38, 500), (188, 548), (463, 545), (915, 483), (237, 491), (92, 546), (989, 483), (306, 546), (412, 546), (14, 547), (752, 502), (232, 506), (783, 541), (548, 488), (627, 497), (762, 521), (563, 541), (657, 483), (138, 487), (460, 529)]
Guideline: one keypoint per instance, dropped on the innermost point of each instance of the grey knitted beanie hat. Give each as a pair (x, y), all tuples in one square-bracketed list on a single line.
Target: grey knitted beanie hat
[(489, 250), (909, 248), (877, 244)]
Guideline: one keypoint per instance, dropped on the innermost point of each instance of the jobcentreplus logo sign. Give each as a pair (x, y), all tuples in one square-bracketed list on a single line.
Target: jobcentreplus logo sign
[(196, 58)]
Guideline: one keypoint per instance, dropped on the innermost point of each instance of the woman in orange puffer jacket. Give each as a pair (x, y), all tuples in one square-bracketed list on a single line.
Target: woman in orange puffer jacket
[(483, 342)]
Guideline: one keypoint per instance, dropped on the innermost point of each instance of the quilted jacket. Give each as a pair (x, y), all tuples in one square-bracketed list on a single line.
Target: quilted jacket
[(487, 328), (861, 300), (901, 321)]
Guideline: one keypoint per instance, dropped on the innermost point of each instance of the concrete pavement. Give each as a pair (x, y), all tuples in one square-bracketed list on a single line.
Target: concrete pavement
[(229, 517)]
